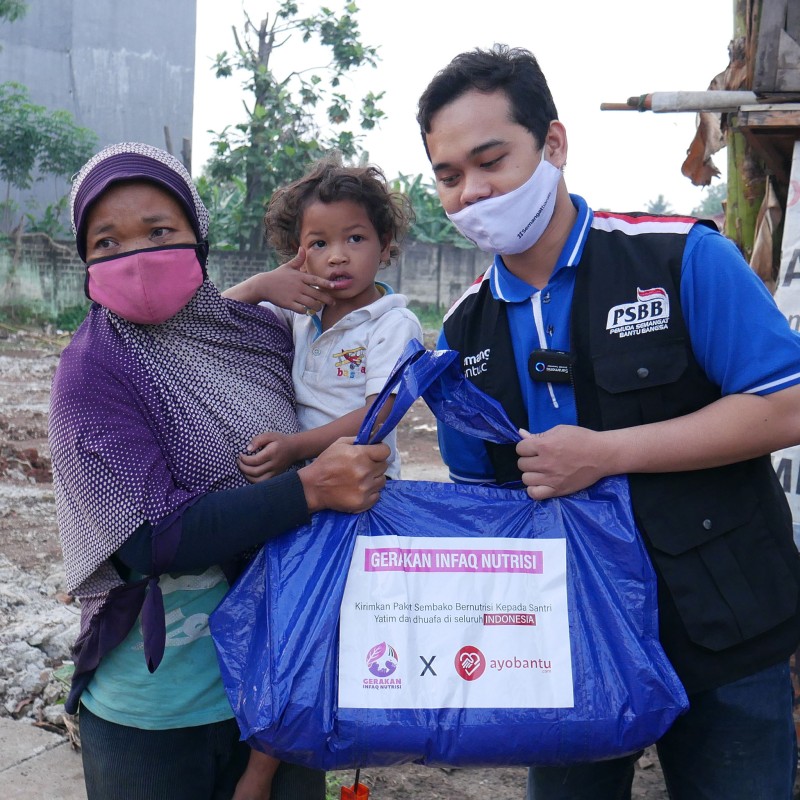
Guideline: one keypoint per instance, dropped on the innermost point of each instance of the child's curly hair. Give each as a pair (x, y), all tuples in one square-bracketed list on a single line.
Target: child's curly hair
[(329, 181)]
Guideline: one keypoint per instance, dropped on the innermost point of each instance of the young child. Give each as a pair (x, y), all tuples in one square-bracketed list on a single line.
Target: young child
[(340, 224)]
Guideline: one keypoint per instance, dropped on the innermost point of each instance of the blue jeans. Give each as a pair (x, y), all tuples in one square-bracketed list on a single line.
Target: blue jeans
[(736, 742), (199, 763)]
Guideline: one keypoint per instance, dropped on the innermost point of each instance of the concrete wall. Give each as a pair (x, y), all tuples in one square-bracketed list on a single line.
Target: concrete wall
[(123, 69), (38, 272)]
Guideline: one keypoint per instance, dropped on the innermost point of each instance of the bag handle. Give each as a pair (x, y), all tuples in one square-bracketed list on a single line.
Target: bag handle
[(434, 375)]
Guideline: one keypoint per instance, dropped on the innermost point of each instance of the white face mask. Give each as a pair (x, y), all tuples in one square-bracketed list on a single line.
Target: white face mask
[(512, 222)]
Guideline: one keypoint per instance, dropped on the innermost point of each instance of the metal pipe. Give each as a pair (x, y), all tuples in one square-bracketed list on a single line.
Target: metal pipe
[(664, 102)]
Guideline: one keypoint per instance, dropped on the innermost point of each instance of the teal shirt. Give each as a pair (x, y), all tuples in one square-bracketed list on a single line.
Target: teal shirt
[(186, 689)]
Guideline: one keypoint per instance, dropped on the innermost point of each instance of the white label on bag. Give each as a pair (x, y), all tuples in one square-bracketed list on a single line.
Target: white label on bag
[(430, 622)]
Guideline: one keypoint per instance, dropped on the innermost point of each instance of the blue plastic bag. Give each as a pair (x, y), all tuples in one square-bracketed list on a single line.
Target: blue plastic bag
[(277, 632)]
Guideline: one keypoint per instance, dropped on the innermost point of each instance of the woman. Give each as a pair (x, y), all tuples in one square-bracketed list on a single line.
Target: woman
[(160, 390)]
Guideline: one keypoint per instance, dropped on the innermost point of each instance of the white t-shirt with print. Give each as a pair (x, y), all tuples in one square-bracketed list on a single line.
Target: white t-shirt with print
[(336, 370)]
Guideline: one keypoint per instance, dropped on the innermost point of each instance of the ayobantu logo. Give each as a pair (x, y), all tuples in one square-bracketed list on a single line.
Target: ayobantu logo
[(470, 663)]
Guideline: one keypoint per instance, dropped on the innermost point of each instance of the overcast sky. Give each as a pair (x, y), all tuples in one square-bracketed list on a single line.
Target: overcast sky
[(591, 52)]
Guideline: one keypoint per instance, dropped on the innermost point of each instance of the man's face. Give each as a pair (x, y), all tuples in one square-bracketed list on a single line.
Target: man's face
[(477, 151)]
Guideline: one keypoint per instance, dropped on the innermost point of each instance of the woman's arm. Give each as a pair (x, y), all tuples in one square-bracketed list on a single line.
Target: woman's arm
[(221, 525)]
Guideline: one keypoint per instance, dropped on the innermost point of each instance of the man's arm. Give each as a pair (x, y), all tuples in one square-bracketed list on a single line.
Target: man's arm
[(742, 352), (565, 459)]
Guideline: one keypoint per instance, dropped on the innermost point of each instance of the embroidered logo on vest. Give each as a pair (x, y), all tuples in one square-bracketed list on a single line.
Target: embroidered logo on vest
[(475, 365), (649, 313)]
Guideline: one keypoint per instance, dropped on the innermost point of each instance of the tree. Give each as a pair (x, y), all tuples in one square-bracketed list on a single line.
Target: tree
[(36, 142), (11, 10), (431, 224), (658, 206), (281, 134), (713, 202)]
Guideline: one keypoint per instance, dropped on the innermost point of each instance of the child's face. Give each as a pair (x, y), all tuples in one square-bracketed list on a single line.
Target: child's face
[(343, 246)]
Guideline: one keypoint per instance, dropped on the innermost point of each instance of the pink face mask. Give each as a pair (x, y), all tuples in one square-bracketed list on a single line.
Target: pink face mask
[(146, 286)]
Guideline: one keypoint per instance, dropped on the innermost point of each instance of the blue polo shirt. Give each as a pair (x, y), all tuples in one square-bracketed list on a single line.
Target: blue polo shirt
[(738, 335)]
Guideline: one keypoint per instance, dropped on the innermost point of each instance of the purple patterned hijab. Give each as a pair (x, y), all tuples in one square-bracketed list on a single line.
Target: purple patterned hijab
[(144, 419)]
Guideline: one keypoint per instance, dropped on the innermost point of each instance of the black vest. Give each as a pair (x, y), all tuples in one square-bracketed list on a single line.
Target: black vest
[(720, 539)]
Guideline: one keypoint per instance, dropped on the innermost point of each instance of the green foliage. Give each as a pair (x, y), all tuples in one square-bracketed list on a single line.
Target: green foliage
[(11, 10), (225, 204), (281, 134), (63, 675), (431, 225), (332, 787), (65, 145), (658, 206), (8, 210), (34, 313), (712, 203), (36, 142), (19, 135), (335, 780), (429, 315), (68, 319), (52, 220)]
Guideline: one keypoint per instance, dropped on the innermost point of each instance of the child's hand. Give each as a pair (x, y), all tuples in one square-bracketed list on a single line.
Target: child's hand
[(287, 286), (290, 287), (256, 782), (276, 453)]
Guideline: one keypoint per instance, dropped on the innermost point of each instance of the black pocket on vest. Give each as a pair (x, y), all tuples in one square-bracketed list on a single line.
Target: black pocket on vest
[(631, 383), (710, 541)]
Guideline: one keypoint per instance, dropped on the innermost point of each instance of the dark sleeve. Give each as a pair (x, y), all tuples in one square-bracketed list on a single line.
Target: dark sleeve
[(221, 525)]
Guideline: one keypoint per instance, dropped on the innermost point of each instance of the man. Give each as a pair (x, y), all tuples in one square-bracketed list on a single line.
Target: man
[(639, 345)]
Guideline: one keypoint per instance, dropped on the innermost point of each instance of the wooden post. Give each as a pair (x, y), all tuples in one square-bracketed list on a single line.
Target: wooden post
[(746, 181), (186, 154)]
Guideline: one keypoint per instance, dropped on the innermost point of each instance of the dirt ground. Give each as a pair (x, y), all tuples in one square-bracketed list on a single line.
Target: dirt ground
[(28, 539)]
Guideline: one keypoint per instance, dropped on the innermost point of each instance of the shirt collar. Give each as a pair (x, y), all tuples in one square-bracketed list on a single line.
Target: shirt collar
[(511, 289), (383, 289)]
